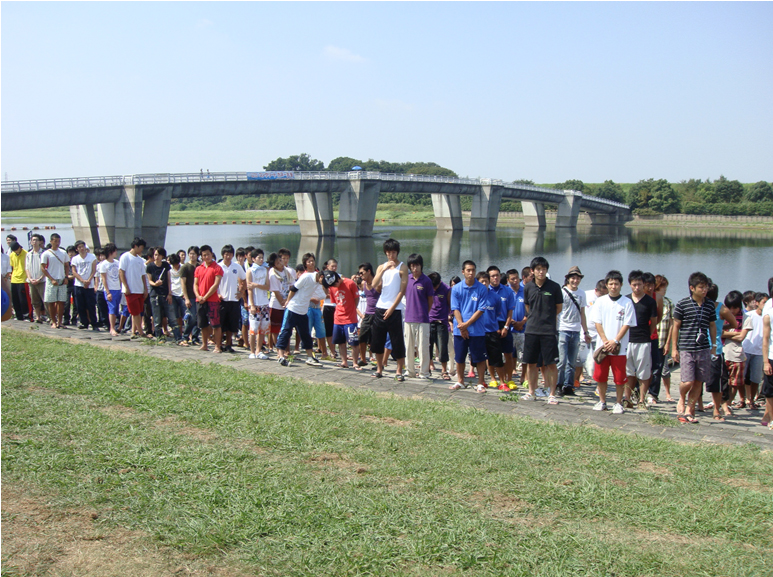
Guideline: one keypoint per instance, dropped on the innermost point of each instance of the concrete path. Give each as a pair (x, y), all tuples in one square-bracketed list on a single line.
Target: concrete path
[(743, 428)]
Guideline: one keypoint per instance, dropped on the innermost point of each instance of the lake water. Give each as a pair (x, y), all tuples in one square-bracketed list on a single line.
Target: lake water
[(741, 260)]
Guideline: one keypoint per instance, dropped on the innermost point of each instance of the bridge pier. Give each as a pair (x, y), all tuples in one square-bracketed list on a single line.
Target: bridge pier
[(357, 209), (569, 210), (155, 216), (84, 224), (485, 208), (315, 213), (534, 214), (448, 212), (605, 219)]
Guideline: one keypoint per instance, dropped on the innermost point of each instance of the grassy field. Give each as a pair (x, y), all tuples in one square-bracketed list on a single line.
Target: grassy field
[(200, 467)]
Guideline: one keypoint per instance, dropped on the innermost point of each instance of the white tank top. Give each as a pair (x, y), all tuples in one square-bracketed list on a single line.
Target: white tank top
[(390, 288)]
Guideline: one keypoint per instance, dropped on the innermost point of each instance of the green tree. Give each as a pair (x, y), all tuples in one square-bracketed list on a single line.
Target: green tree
[(706, 193), (577, 185), (664, 198), (760, 192), (343, 164), (524, 181), (430, 168), (299, 162), (610, 191), (728, 190), (640, 194)]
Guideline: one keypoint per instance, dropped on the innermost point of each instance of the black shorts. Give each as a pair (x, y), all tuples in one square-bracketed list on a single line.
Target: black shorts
[(208, 314), (494, 350), (230, 316), (767, 387), (366, 329), (540, 346), (328, 313), (718, 377)]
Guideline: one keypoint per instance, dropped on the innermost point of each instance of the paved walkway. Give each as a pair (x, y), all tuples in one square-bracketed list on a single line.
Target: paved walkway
[(743, 428)]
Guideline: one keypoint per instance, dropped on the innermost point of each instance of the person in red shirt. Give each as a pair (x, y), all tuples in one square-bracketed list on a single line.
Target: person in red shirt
[(346, 295), (206, 280)]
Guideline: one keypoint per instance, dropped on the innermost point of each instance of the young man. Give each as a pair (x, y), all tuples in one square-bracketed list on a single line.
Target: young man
[(35, 278), (495, 359), (257, 299), (84, 268), (230, 290), (316, 322), (639, 355), (438, 322), (613, 314), (469, 299), (280, 280), (191, 330), (572, 329), (505, 309), (392, 278), (133, 276), (111, 281), (296, 307), (206, 281), (419, 295), (586, 350), (372, 294), (543, 305), (176, 289), (18, 258), (693, 343), (161, 301), (56, 268), (345, 294), (517, 327)]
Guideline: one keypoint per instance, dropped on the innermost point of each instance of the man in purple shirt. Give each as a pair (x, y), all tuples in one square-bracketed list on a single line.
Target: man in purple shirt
[(419, 295), (371, 298), (438, 322)]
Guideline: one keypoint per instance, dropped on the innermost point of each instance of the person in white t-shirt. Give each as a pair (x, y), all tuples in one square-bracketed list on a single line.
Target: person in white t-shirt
[(585, 354), (230, 290), (133, 275), (56, 268), (613, 314), (84, 269), (296, 308), (111, 281), (572, 330), (257, 301)]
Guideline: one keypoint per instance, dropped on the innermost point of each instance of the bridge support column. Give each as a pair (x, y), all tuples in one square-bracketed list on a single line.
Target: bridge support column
[(603, 218), (357, 209), (485, 208), (568, 211), (155, 216), (315, 213), (533, 214), (84, 225), (448, 211)]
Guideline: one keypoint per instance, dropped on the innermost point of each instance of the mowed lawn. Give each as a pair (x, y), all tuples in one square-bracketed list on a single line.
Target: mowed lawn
[(271, 476)]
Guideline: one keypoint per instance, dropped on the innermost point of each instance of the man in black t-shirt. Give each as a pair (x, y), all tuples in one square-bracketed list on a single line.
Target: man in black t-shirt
[(639, 356), (161, 295), (544, 302)]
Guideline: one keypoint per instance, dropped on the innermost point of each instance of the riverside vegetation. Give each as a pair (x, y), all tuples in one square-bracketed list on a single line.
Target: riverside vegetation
[(235, 474)]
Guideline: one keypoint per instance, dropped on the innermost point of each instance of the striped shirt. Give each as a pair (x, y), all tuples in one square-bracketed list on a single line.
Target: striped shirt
[(665, 324), (693, 334), (33, 265)]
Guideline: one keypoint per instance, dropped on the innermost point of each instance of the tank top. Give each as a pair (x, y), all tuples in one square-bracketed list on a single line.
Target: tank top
[(390, 288)]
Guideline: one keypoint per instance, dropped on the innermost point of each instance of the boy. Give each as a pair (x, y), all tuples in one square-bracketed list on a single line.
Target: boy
[(639, 357), (544, 303), (35, 278), (56, 268), (257, 299), (111, 283), (206, 281), (505, 309), (752, 347), (419, 295), (187, 272), (84, 268), (296, 307), (372, 294), (99, 291), (133, 276), (496, 363), (18, 258), (161, 301), (613, 315), (572, 323), (693, 343), (438, 322), (176, 289), (732, 344), (517, 327), (345, 294), (468, 303), (230, 291)]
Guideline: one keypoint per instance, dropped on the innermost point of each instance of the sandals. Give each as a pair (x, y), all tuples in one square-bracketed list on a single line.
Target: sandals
[(688, 419), (446, 376), (399, 378), (738, 405), (376, 375), (480, 388), (457, 386)]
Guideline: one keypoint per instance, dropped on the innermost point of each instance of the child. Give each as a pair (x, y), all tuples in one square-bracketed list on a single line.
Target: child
[(111, 283), (257, 301), (752, 346), (438, 322), (419, 295), (732, 344), (346, 296), (496, 363)]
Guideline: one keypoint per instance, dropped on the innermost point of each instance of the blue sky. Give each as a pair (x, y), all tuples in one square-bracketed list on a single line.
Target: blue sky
[(544, 91)]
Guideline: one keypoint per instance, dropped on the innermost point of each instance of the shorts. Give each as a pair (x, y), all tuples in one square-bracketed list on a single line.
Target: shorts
[(136, 304), (753, 372), (230, 316), (245, 314), (494, 350), (366, 327), (666, 370), (546, 345), (346, 334), (735, 373), (38, 294), (518, 343), (55, 293), (617, 362), (506, 344), (717, 381), (260, 322), (277, 316), (767, 387), (316, 324), (695, 366), (114, 305), (476, 346), (208, 314), (639, 361), (328, 314)]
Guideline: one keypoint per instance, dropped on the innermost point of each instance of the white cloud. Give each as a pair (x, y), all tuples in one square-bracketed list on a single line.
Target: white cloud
[(342, 54)]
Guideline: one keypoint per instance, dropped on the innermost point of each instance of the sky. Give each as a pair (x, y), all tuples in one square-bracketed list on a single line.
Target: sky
[(544, 91)]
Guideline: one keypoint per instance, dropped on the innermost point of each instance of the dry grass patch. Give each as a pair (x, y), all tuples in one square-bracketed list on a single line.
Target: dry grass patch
[(649, 467), (386, 420), (745, 483)]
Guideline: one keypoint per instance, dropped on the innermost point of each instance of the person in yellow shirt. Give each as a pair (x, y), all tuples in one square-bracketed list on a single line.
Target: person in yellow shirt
[(19, 295)]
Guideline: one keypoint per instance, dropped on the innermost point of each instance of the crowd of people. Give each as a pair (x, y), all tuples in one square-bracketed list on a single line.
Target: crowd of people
[(517, 329)]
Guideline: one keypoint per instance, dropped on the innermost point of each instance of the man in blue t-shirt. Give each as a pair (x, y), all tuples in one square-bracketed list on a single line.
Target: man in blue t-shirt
[(468, 300), (517, 325)]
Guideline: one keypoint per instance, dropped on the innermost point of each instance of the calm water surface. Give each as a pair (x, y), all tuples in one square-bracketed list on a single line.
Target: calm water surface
[(740, 260)]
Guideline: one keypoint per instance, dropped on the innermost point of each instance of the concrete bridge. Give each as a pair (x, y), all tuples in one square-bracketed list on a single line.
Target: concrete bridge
[(118, 208)]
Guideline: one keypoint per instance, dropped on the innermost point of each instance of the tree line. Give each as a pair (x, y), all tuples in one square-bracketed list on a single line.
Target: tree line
[(647, 197)]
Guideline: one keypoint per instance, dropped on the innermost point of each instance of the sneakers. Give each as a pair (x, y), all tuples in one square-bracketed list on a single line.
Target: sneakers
[(552, 400), (262, 356), (541, 392), (253, 356), (423, 378), (618, 409), (313, 362), (283, 361), (528, 397), (600, 406)]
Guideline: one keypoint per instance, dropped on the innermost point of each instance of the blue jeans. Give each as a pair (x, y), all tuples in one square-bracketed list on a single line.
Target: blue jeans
[(162, 308), (568, 347), (190, 323)]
